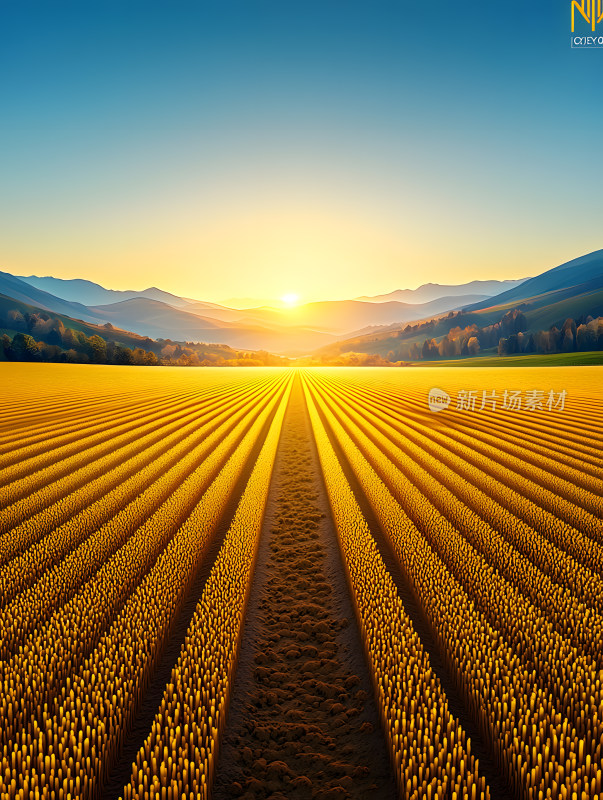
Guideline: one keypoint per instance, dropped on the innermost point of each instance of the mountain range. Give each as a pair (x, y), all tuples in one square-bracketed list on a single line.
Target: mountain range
[(299, 330), (432, 291), (332, 326), (573, 290)]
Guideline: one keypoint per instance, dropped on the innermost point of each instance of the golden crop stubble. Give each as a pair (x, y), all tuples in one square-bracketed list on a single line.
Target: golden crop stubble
[(39, 486), (180, 752), (536, 745), (132, 482), (430, 751), (570, 496), (89, 715), (412, 474), (65, 640)]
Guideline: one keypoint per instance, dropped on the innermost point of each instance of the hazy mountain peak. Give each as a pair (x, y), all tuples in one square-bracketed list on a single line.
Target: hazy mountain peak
[(79, 290), (435, 291)]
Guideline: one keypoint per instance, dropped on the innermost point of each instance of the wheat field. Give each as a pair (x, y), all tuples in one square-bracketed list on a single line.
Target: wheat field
[(137, 513)]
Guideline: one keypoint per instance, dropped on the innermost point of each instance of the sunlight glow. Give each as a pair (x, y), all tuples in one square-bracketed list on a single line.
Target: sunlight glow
[(290, 299)]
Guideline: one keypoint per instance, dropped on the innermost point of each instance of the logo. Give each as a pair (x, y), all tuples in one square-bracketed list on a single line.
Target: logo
[(590, 10), (438, 399), (591, 13)]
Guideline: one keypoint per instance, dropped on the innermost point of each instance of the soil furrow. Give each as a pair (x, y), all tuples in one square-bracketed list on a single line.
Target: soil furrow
[(303, 722)]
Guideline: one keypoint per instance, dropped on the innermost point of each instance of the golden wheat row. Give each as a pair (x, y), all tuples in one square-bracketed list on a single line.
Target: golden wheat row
[(36, 471), (106, 483), (55, 647), (544, 504), (492, 529), (85, 415), (540, 748), (179, 755), (88, 420), (524, 429), (176, 488), (493, 440), (430, 751), (499, 601), (70, 744), (86, 412)]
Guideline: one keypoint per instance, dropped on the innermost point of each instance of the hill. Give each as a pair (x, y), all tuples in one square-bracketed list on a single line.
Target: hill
[(159, 314), (88, 293), (158, 319), (341, 317), (11, 286), (62, 338), (572, 290), (572, 274), (433, 291)]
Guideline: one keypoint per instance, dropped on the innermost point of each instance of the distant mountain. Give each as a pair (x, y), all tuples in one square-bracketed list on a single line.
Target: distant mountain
[(446, 302), (433, 291), (127, 339), (156, 313), (334, 317), (160, 320), (20, 290), (93, 294), (247, 302), (573, 289), (571, 274), (215, 311), (339, 317), (568, 290), (145, 316)]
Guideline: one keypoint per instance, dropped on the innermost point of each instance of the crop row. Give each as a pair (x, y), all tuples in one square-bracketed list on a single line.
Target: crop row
[(573, 434), (70, 694), (544, 467), (430, 750), (179, 755), (34, 471), (464, 494), (50, 432), (24, 442), (92, 475), (536, 697), (500, 601), (72, 557), (569, 518)]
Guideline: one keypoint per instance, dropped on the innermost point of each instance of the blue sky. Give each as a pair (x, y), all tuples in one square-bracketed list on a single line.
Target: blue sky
[(330, 148)]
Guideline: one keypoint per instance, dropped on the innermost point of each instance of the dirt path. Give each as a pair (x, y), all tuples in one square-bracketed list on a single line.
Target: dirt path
[(302, 721)]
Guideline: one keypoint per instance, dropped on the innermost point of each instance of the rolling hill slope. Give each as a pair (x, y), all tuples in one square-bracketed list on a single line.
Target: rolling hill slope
[(587, 269), (574, 289), (88, 293), (20, 290), (433, 291)]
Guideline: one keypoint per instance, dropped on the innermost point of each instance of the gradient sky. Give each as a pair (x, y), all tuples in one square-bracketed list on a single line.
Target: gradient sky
[(330, 148)]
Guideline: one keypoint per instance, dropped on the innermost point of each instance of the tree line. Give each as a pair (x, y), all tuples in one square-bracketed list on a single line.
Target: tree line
[(571, 337), (509, 336), (43, 337)]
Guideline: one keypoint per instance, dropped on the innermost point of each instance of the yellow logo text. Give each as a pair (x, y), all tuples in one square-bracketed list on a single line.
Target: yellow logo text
[(591, 10)]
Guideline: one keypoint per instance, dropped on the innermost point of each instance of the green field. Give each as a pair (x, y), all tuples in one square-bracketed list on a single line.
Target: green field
[(531, 360)]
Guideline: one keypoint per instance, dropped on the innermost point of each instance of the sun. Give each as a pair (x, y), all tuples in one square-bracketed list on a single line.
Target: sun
[(290, 299)]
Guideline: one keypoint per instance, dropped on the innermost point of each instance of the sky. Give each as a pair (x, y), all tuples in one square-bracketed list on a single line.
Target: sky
[(326, 149)]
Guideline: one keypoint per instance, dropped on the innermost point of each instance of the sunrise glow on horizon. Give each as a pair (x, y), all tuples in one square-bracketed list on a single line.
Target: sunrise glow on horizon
[(234, 152)]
